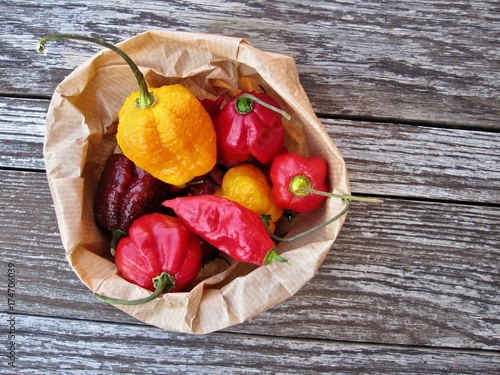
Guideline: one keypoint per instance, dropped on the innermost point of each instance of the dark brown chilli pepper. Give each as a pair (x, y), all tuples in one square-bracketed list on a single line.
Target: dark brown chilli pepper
[(124, 193)]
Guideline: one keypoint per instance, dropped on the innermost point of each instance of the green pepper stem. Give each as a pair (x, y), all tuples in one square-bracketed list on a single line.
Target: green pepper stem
[(244, 105), (146, 98), (192, 183), (342, 196), (305, 233), (272, 256), (163, 284), (300, 186), (117, 235)]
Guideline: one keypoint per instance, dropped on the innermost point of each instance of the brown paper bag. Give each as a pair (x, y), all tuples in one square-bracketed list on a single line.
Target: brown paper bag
[(80, 136)]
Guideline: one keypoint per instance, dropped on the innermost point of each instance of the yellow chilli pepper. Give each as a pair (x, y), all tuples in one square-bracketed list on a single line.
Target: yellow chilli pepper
[(165, 131), (173, 140), (247, 185)]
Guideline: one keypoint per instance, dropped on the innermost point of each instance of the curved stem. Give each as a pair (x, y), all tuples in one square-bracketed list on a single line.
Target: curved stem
[(305, 233), (146, 99), (347, 197), (117, 235), (163, 284), (246, 95)]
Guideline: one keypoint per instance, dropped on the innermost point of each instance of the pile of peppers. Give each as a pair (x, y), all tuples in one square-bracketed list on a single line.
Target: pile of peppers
[(196, 178)]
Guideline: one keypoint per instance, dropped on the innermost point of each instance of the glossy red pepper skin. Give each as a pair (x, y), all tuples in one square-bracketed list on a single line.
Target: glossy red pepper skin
[(126, 192), (159, 243), (227, 225), (289, 168), (257, 134)]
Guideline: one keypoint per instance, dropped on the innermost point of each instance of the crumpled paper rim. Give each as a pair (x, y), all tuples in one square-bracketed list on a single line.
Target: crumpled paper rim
[(79, 137)]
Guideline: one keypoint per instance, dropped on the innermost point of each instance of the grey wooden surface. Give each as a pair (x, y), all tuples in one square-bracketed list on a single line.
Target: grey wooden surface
[(408, 91)]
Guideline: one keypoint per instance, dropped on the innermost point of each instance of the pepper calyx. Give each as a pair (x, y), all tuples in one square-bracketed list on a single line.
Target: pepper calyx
[(163, 283), (272, 256), (243, 104), (300, 186), (145, 100)]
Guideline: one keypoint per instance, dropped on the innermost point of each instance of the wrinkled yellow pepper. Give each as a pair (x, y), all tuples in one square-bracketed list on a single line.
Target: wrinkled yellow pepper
[(173, 140), (247, 185)]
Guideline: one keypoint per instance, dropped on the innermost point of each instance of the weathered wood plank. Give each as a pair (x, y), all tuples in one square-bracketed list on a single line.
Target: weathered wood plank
[(402, 272), (418, 61), (47, 345), (382, 158), (22, 124), (419, 162)]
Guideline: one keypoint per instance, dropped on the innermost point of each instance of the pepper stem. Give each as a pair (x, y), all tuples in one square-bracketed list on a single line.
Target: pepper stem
[(244, 105), (163, 284), (300, 186), (272, 256), (117, 235), (305, 233), (347, 197), (191, 183), (146, 98)]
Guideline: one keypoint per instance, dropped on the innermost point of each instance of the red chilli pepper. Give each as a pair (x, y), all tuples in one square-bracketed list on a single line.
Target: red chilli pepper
[(212, 106), (160, 254), (227, 225), (299, 184), (249, 125), (293, 176), (124, 193)]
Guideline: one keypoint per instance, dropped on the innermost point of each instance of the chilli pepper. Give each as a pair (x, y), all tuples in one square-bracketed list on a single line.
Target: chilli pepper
[(212, 106), (292, 175), (159, 254), (166, 131), (124, 193), (249, 125), (299, 184), (248, 185), (227, 225)]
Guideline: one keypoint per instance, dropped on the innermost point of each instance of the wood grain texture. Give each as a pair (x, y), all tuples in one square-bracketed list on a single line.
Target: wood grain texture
[(58, 346), (425, 61), (22, 126), (419, 162), (403, 272), (382, 158)]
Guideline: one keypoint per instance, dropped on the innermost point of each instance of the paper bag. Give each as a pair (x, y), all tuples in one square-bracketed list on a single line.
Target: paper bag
[(80, 136)]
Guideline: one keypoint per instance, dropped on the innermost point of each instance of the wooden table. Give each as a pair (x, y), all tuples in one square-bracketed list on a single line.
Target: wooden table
[(408, 91)]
